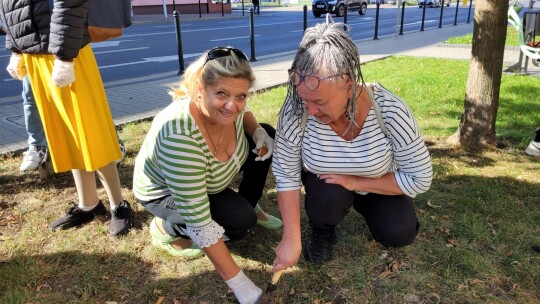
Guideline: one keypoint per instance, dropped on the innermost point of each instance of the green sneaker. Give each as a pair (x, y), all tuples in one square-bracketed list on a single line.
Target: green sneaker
[(164, 241), (271, 223)]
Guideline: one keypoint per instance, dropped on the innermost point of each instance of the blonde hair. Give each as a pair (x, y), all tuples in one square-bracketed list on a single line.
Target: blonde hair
[(208, 72)]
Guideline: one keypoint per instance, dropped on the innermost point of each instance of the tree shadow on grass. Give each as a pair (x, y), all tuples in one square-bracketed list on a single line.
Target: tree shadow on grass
[(75, 277), (471, 159), (13, 182), (144, 276)]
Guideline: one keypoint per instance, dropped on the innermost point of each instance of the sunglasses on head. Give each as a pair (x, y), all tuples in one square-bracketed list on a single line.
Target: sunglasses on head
[(220, 51)]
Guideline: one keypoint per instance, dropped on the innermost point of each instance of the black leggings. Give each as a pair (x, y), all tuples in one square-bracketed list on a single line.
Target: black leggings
[(391, 218), (232, 210)]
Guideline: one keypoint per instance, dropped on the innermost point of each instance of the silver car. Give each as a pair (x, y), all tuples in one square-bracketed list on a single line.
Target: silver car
[(433, 3)]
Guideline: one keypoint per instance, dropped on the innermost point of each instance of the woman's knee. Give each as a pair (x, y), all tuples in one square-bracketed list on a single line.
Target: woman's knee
[(237, 229), (396, 236), (327, 208), (233, 213), (326, 203)]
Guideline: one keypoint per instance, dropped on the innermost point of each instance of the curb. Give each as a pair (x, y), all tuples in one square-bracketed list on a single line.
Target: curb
[(466, 46)]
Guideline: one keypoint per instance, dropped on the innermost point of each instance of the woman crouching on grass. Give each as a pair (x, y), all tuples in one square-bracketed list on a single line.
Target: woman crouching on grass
[(193, 150)]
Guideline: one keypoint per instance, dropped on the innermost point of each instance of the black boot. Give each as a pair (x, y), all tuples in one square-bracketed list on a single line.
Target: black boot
[(318, 245)]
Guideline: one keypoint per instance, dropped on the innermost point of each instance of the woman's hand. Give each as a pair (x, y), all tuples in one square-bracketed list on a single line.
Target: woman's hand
[(16, 67), (261, 138), (287, 254), (348, 182), (245, 291), (385, 184), (63, 73)]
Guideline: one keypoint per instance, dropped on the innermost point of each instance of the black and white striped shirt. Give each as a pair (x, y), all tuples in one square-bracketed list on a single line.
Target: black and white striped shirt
[(370, 154)]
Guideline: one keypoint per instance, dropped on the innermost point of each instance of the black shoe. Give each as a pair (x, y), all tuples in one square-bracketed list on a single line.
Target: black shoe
[(120, 219), (75, 216), (318, 245)]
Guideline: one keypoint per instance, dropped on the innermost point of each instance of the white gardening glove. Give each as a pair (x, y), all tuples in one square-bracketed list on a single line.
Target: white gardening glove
[(261, 138), (63, 73), (245, 291), (16, 67)]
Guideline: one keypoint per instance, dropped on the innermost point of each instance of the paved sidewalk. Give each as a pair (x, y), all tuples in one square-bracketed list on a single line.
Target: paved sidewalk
[(141, 98)]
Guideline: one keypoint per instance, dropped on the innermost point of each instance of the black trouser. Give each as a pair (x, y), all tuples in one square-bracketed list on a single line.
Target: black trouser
[(391, 218), (232, 210)]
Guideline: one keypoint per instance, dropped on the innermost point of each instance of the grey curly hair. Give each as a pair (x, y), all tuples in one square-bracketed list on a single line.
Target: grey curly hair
[(327, 47)]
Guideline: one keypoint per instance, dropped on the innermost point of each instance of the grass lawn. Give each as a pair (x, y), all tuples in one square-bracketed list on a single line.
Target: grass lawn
[(511, 38), (479, 221)]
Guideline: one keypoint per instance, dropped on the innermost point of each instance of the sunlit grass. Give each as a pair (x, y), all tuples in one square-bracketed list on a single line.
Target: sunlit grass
[(511, 38)]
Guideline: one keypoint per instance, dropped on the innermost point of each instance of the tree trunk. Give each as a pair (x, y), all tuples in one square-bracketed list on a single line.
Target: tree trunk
[(477, 127)]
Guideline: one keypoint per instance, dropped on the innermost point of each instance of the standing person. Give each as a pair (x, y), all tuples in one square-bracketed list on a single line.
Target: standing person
[(256, 7), (37, 143), (191, 154), (533, 148), (49, 40), (360, 147)]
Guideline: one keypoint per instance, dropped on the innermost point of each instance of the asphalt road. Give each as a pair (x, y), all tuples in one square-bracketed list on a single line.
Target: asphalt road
[(151, 48)]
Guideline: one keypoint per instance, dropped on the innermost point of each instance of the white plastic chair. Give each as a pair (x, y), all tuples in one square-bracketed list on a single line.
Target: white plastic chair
[(528, 51)]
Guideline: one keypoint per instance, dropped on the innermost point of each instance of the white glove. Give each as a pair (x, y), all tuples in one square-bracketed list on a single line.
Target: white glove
[(63, 73), (16, 67), (261, 138), (245, 291)]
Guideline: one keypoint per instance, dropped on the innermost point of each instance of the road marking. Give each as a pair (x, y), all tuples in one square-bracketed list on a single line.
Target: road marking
[(172, 25), (122, 50), (161, 59), (242, 37), (418, 22), (206, 29), (108, 43)]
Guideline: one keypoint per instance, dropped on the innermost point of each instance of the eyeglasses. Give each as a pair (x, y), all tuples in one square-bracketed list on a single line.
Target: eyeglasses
[(221, 51), (311, 82)]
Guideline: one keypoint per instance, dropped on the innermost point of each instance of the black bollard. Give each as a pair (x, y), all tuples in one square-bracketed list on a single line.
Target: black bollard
[(346, 6), (469, 16), (242, 7), (305, 18), (200, 14), (402, 17), (176, 15), (376, 37), (423, 16), (455, 17), (222, 8), (440, 18), (252, 36)]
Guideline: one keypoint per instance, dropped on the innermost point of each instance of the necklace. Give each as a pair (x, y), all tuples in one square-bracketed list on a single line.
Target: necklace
[(216, 147)]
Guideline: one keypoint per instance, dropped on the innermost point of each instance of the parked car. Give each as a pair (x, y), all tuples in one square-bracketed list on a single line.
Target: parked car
[(337, 7), (433, 3)]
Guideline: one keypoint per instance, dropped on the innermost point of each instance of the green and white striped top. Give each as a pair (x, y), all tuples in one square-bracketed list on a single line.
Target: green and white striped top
[(175, 160)]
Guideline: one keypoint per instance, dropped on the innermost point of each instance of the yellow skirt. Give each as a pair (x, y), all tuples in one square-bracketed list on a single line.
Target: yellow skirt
[(77, 120)]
